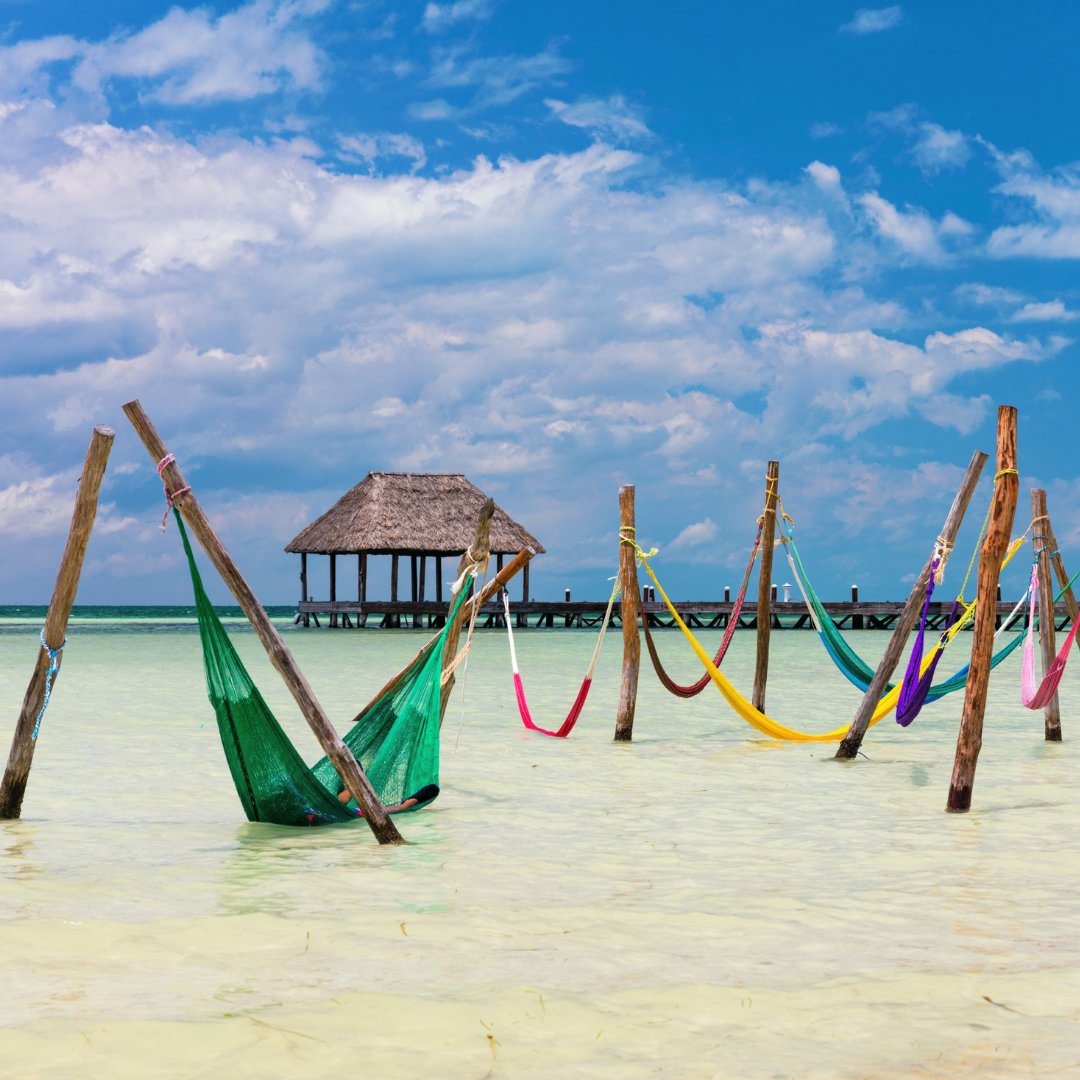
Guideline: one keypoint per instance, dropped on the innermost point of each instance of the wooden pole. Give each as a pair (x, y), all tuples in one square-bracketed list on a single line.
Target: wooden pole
[(361, 573), (629, 606), (21, 756), (764, 620), (476, 554), (1059, 570), (994, 546), (339, 754), (303, 584), (333, 588), (1042, 539), (906, 620)]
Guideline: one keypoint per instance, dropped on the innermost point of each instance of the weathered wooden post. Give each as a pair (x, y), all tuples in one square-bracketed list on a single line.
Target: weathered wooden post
[(342, 757), (1042, 538), (857, 621), (969, 739), (764, 620), (628, 607), (849, 747), (1059, 570), (476, 554), (21, 756)]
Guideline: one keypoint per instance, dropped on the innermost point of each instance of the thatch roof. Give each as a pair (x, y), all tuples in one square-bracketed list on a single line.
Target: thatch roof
[(409, 514)]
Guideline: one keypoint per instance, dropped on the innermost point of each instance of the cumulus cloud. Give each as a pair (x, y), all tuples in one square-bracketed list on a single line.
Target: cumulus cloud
[(874, 20), (292, 317)]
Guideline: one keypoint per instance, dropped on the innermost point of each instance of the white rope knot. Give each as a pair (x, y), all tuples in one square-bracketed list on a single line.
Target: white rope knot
[(474, 566), (942, 550)]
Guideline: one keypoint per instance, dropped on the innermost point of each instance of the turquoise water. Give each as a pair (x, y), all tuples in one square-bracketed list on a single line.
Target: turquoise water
[(702, 902)]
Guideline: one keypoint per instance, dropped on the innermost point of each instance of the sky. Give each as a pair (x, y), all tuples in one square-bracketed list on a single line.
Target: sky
[(558, 247)]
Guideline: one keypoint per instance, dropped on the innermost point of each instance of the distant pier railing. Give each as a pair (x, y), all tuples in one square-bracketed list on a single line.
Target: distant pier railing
[(698, 614)]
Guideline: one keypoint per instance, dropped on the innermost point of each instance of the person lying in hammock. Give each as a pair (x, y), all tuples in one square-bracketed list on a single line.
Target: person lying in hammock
[(425, 794)]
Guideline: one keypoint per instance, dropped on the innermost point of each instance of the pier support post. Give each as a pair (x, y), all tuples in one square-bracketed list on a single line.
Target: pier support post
[(764, 619), (21, 756), (852, 741), (276, 650), (1042, 539), (1002, 509), (624, 721)]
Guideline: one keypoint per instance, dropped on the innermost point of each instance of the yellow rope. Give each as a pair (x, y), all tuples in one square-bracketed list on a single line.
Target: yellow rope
[(757, 719)]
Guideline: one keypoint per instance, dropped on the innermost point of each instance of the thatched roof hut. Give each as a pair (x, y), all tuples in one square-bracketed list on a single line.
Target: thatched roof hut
[(409, 514), (395, 514)]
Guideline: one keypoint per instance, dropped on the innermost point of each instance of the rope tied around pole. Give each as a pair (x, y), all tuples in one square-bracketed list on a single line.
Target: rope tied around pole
[(640, 555), (942, 551), (54, 667), (170, 497)]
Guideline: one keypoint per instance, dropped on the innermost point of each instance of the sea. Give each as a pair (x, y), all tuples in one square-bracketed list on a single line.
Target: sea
[(700, 902)]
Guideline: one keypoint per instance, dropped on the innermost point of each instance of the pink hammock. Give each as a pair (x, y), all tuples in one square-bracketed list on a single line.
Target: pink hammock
[(567, 725), (1038, 697)]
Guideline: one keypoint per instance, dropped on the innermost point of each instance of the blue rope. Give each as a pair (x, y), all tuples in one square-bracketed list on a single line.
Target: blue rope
[(54, 667)]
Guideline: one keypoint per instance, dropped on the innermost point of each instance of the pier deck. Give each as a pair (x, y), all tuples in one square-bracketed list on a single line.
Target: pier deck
[(699, 614)]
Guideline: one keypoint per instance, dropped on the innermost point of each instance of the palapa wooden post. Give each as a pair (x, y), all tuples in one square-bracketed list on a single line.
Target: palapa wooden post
[(1042, 538), (994, 546), (764, 618), (476, 554), (339, 754), (852, 741), (21, 756), (624, 720)]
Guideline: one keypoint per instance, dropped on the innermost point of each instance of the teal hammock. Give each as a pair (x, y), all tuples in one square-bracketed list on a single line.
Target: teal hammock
[(395, 739), (849, 663)]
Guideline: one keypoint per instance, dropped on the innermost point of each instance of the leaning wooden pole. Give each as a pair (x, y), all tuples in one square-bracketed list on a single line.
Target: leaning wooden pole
[(339, 754), (1042, 538), (21, 757), (764, 596), (1059, 571), (475, 555), (994, 546), (629, 607), (852, 741)]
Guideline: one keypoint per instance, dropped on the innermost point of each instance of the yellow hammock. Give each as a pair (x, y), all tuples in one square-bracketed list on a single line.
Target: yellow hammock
[(757, 719)]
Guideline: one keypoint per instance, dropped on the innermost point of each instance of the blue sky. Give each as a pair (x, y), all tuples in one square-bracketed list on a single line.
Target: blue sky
[(557, 247)]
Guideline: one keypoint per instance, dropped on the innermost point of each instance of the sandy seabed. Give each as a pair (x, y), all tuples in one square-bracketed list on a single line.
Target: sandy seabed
[(699, 903)]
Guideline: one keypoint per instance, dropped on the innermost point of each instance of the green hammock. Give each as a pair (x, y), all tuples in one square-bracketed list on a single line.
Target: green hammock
[(848, 662), (395, 739)]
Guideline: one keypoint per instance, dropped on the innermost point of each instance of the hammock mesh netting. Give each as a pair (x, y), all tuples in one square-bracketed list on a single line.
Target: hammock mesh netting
[(396, 739)]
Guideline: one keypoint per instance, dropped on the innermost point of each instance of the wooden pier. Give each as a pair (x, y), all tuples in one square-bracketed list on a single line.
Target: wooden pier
[(699, 614)]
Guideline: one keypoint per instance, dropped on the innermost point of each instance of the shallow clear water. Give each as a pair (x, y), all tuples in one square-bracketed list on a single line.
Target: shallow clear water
[(701, 902)]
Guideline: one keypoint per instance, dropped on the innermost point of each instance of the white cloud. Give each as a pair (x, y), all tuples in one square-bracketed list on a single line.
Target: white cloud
[(1051, 311), (186, 57), (695, 535), (1052, 201), (827, 177), (937, 149), (874, 20), (913, 230), (440, 17), (607, 118), (383, 145), (497, 80)]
